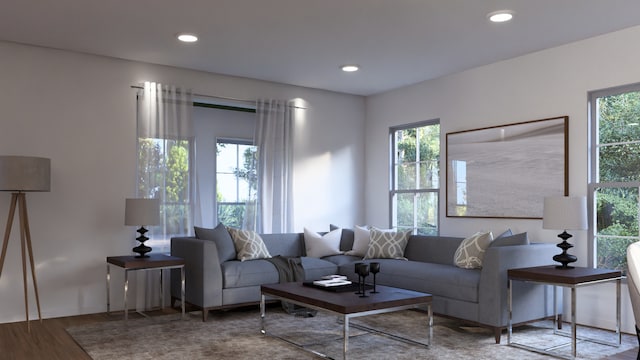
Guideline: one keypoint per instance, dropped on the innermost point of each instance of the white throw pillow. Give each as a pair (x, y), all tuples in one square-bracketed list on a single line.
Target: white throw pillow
[(249, 245), (361, 236), (471, 250), (385, 244), (318, 246)]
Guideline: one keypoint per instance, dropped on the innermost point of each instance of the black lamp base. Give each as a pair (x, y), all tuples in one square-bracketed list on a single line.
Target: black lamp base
[(142, 249), (564, 258)]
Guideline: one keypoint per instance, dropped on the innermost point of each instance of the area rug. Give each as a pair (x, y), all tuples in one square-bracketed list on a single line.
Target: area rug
[(236, 334)]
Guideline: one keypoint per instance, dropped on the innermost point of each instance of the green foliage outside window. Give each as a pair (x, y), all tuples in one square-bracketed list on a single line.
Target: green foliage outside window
[(617, 205)]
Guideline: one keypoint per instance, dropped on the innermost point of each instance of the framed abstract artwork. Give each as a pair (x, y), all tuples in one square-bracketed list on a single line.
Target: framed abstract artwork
[(506, 171)]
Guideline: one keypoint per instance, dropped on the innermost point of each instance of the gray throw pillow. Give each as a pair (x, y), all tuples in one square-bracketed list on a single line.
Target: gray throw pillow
[(517, 239), (504, 234), (221, 237)]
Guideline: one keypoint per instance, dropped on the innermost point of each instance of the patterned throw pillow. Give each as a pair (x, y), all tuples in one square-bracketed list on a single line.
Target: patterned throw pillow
[(471, 250), (387, 244), (249, 245)]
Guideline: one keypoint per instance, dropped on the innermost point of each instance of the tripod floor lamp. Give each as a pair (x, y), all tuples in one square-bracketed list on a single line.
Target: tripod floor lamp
[(22, 174)]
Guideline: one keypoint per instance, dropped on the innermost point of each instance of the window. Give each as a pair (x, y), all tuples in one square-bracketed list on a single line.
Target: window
[(163, 172), (236, 183), (415, 177), (614, 174)]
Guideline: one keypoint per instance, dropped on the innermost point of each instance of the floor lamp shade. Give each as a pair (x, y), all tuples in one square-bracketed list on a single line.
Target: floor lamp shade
[(141, 212), (25, 173), (22, 174), (565, 213)]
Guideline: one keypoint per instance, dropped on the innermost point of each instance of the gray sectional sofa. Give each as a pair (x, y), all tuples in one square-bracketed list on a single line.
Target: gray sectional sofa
[(216, 280)]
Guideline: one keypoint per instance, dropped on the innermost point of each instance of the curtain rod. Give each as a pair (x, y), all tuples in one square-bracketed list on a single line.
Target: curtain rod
[(252, 102)]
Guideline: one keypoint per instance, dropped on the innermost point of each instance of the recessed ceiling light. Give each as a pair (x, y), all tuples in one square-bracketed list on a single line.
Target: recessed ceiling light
[(185, 37), (350, 68), (500, 16)]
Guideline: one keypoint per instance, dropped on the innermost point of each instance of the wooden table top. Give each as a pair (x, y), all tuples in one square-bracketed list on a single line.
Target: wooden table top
[(551, 274), (347, 302), (132, 262)]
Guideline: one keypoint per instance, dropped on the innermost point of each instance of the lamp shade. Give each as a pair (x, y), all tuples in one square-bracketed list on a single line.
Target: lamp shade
[(565, 213), (25, 173), (140, 212)]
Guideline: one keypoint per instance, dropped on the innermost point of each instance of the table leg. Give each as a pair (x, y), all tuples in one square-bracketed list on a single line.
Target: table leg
[(618, 333), (108, 285), (573, 322), (510, 306), (345, 330), (161, 289), (126, 288), (262, 311), (430, 315), (182, 289)]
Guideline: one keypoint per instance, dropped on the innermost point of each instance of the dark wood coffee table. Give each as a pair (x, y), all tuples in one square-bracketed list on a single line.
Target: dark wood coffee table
[(348, 305)]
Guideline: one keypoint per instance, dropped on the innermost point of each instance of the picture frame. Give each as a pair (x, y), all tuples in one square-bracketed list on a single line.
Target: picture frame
[(506, 171)]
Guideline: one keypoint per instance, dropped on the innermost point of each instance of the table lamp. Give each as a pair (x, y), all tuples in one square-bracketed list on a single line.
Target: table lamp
[(22, 174), (141, 212), (565, 213)]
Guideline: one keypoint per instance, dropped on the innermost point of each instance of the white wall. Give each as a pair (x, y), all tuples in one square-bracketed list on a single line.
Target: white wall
[(79, 111), (545, 84)]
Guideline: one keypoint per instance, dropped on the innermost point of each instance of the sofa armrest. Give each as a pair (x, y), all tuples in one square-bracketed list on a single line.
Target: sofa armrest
[(203, 273), (530, 301)]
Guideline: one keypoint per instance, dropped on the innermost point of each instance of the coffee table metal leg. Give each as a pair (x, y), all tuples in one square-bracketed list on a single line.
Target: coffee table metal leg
[(346, 338), (182, 289), (430, 314)]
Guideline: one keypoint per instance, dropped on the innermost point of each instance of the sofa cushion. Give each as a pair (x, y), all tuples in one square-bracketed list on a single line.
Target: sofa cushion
[(504, 234), (386, 244), (432, 249), (248, 273), (317, 245), (517, 239), (446, 281), (315, 268), (221, 237), (249, 245), (346, 241), (287, 244), (470, 253)]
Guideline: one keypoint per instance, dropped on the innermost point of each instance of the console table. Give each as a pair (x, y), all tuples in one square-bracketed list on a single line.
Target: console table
[(570, 278), (152, 262)]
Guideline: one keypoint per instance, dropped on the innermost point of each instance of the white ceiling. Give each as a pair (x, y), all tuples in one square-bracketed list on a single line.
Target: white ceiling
[(304, 42)]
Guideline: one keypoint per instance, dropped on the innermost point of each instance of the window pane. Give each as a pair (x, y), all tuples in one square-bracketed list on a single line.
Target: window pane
[(417, 211), (619, 117), (617, 211), (406, 177), (619, 163), (236, 184), (616, 225), (231, 214)]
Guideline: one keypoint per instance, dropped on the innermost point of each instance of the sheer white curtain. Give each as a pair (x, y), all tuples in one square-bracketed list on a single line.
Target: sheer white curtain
[(166, 171), (274, 138), (166, 160)]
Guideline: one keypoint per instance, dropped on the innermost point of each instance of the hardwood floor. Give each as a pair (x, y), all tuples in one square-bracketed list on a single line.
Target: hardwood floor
[(49, 340)]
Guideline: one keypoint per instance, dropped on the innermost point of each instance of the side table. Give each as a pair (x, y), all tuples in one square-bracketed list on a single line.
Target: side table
[(152, 262), (570, 278)]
